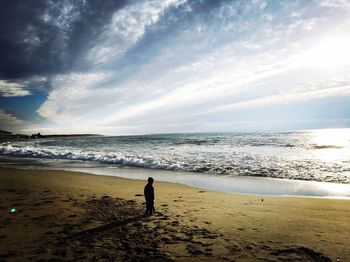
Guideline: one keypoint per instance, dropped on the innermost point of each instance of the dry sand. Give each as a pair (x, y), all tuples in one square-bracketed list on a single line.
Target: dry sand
[(66, 216)]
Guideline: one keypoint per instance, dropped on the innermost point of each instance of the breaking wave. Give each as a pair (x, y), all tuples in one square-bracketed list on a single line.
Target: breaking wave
[(278, 157)]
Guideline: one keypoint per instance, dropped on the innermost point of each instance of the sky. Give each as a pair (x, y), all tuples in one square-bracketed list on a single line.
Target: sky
[(169, 66)]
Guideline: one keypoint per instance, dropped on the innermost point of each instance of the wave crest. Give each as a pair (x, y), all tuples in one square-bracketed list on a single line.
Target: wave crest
[(206, 161)]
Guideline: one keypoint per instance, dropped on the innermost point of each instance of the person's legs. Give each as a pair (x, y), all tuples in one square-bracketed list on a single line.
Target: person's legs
[(153, 211), (148, 209)]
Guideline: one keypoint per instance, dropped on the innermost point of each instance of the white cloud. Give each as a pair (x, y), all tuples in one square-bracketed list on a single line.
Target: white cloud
[(127, 26), (9, 122), (335, 3), (220, 61), (73, 95), (284, 98), (11, 89), (6, 117)]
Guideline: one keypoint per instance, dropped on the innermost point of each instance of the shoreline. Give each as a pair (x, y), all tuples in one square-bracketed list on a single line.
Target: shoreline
[(249, 185), (72, 215)]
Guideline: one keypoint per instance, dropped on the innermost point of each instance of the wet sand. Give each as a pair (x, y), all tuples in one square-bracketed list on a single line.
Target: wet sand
[(70, 216)]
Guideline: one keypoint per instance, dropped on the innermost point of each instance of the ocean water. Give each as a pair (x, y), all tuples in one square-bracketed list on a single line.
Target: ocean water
[(315, 155)]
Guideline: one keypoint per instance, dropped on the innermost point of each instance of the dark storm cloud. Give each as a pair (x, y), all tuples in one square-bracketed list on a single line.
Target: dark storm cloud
[(44, 37)]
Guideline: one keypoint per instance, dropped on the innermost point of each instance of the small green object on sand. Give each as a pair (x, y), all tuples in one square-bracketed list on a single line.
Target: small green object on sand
[(13, 210)]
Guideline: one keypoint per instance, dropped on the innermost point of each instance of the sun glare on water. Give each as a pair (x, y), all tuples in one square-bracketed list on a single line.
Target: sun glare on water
[(331, 144), (331, 137)]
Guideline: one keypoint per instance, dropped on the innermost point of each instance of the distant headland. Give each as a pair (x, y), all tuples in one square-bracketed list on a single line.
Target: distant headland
[(6, 135)]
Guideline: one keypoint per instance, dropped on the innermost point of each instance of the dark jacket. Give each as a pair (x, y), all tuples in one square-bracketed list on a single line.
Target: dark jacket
[(149, 193)]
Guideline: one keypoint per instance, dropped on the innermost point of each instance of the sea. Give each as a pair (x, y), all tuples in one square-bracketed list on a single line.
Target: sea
[(321, 155)]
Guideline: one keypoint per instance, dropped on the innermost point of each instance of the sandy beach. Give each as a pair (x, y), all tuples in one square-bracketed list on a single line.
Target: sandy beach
[(71, 216)]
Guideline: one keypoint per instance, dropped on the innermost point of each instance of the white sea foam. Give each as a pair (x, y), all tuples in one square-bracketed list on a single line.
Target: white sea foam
[(291, 155)]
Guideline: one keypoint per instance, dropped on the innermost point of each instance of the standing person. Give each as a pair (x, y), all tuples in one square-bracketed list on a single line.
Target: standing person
[(149, 196)]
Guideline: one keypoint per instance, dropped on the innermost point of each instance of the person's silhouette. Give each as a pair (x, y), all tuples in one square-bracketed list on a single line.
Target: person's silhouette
[(149, 196)]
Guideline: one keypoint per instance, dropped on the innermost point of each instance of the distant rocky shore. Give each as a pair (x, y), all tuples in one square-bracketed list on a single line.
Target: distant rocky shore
[(5, 135)]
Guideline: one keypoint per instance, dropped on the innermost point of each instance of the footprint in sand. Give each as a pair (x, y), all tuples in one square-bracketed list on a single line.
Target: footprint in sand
[(266, 247), (47, 202), (175, 223), (234, 248), (302, 253)]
